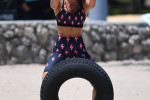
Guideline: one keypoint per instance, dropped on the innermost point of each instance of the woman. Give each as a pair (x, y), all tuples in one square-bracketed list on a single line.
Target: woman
[(70, 16)]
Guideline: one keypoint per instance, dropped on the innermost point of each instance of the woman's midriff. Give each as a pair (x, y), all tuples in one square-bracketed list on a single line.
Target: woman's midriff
[(69, 31)]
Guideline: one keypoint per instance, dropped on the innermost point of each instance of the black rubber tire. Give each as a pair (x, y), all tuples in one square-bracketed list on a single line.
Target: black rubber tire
[(72, 68)]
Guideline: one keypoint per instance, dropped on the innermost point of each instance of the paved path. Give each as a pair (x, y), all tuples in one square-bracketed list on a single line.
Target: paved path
[(131, 81)]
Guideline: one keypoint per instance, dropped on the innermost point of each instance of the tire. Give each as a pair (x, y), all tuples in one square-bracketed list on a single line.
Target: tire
[(77, 67)]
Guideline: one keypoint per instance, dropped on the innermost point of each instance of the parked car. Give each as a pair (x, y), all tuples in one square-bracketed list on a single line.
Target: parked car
[(12, 10), (7, 12), (40, 9)]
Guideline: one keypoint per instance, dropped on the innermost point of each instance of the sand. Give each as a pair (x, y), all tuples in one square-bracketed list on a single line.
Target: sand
[(124, 18), (130, 81)]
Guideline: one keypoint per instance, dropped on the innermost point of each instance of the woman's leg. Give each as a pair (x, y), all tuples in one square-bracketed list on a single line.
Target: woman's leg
[(87, 56), (54, 59), (94, 94), (44, 74)]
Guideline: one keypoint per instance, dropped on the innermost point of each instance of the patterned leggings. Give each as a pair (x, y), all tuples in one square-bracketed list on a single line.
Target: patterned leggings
[(65, 48)]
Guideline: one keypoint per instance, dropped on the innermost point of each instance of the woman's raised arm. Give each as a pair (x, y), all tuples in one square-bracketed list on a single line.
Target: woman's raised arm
[(90, 3), (54, 4)]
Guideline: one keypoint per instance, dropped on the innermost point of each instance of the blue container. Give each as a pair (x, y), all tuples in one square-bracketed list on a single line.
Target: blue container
[(100, 11)]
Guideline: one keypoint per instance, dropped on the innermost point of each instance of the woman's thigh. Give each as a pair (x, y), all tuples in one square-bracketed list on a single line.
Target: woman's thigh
[(54, 59)]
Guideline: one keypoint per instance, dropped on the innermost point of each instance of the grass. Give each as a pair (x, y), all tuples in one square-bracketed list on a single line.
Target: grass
[(117, 11)]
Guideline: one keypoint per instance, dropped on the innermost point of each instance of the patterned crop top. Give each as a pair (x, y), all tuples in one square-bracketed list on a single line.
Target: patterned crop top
[(75, 19)]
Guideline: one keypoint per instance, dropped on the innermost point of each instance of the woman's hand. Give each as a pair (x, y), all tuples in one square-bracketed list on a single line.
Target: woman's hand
[(25, 7)]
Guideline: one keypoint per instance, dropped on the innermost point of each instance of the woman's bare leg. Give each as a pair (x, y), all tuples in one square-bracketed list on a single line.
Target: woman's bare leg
[(44, 74), (94, 94)]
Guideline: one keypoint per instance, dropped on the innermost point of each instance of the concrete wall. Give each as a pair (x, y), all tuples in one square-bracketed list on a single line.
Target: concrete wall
[(32, 41)]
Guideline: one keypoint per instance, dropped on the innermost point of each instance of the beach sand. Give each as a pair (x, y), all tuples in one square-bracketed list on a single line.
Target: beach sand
[(130, 81)]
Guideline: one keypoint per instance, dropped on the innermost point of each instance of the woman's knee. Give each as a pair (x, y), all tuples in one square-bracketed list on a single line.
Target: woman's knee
[(44, 74)]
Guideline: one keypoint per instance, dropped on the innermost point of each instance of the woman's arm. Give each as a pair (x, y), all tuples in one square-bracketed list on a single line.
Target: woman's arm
[(90, 3), (54, 4)]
